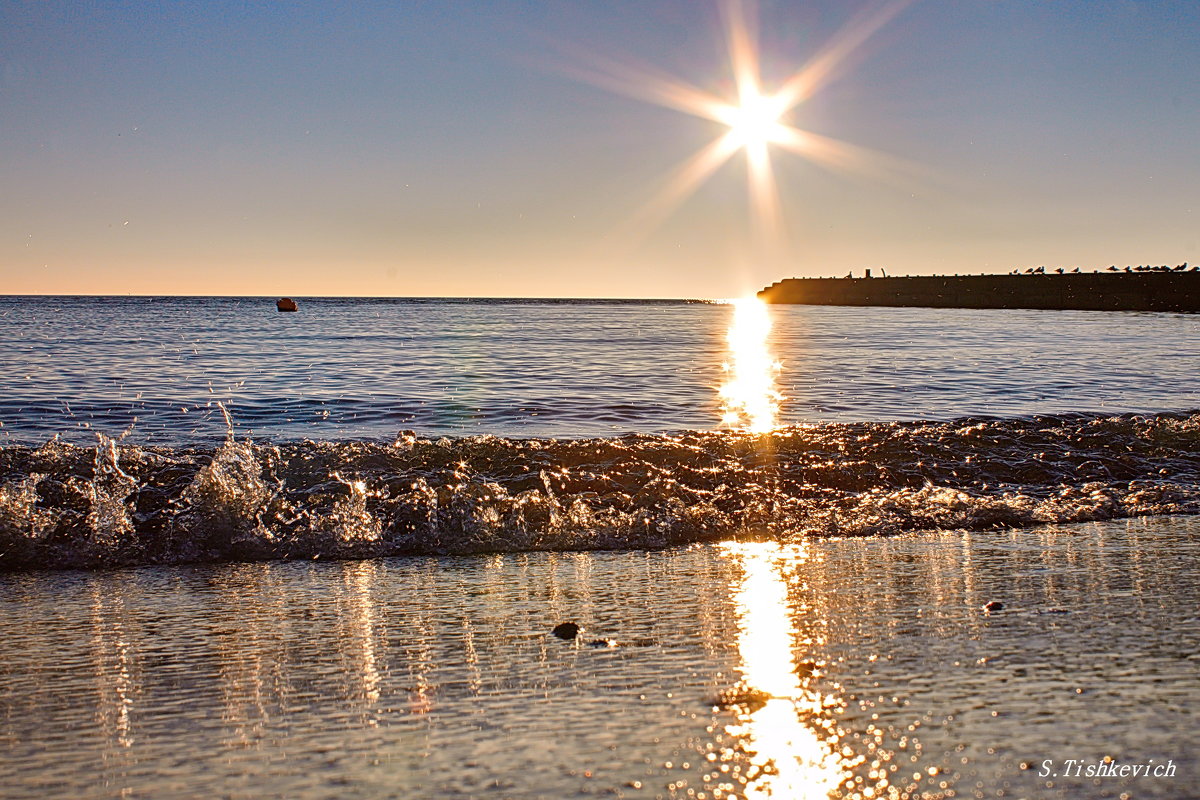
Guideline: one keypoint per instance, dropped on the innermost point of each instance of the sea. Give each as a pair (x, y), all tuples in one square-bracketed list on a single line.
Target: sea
[(808, 551)]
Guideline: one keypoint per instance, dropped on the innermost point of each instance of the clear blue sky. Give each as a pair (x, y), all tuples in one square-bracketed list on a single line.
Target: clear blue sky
[(431, 148)]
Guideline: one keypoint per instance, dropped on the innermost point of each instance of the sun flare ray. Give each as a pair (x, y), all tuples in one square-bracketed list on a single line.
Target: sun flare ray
[(743, 49), (846, 158), (641, 82), (690, 175), (755, 118), (845, 43), (764, 194)]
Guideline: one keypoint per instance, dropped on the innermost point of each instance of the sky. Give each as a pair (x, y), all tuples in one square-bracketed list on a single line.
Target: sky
[(476, 148)]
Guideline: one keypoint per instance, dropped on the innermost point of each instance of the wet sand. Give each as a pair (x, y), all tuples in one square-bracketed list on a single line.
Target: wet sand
[(834, 668)]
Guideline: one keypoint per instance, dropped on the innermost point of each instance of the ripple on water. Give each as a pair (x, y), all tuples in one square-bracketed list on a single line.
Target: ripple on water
[(838, 665)]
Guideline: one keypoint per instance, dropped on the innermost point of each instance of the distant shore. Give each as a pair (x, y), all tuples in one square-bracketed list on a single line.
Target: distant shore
[(1151, 289)]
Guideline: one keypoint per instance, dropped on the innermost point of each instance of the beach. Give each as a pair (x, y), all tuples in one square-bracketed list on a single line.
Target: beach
[(827, 668), (799, 568), (391, 405)]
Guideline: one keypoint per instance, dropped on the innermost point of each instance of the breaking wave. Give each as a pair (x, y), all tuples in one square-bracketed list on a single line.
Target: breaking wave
[(67, 506)]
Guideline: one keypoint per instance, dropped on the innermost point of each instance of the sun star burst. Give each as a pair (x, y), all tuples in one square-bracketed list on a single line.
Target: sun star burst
[(755, 119), (756, 122)]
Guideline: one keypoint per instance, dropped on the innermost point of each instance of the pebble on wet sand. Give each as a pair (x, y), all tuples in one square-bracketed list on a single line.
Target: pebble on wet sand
[(566, 630)]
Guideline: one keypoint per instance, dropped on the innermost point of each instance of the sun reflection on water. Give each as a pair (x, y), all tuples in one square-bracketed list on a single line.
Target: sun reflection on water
[(749, 399), (782, 722)]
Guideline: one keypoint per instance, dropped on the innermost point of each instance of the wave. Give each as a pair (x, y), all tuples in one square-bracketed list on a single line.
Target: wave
[(69, 506)]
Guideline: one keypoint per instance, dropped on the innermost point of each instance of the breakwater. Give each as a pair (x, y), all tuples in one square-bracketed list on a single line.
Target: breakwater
[(1092, 291)]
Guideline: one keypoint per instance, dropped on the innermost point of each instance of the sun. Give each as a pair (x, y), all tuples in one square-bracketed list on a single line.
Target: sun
[(754, 118), (757, 121)]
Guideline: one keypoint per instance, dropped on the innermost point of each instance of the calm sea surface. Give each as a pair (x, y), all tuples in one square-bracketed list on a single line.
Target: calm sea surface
[(248, 554), (362, 368)]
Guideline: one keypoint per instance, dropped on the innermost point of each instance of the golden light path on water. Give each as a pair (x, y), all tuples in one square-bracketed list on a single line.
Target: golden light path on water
[(792, 758), (802, 735), (749, 399)]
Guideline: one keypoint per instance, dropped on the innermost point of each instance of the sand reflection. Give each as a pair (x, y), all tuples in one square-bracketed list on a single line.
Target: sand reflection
[(114, 657), (785, 727), (247, 627), (360, 635), (749, 399)]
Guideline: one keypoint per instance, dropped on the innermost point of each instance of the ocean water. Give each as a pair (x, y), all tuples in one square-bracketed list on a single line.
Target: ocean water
[(814, 552), (365, 369), (165, 430)]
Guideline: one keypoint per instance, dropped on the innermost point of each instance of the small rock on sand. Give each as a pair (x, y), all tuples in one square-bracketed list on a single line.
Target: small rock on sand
[(566, 630)]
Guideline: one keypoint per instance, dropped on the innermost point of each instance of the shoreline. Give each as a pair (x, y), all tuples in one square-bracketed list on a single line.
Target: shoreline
[(929, 664)]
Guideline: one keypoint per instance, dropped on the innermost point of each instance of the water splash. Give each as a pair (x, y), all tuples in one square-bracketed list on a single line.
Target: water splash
[(108, 493), (223, 506), (68, 506), (23, 523)]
